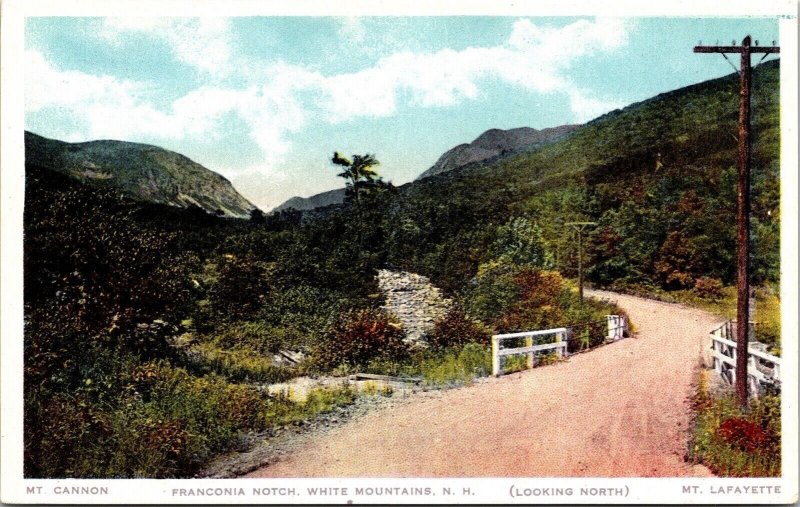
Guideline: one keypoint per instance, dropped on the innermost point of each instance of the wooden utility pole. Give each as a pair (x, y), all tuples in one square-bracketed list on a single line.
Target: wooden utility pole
[(743, 204), (580, 226)]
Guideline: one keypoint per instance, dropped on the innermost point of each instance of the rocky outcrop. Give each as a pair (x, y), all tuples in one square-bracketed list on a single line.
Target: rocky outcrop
[(414, 301), (496, 143), (142, 171)]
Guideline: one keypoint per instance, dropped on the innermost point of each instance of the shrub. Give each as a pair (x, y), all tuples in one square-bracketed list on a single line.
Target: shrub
[(456, 329), (742, 434), (540, 287), (766, 412), (545, 298), (240, 288), (708, 288), (255, 336), (238, 365), (358, 337), (768, 315), (494, 291)]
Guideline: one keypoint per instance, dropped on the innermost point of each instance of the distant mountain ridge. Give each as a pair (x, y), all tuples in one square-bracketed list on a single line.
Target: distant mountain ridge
[(142, 171), (495, 142), (320, 200), (489, 145)]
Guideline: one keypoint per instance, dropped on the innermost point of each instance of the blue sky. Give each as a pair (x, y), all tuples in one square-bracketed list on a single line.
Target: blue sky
[(266, 100)]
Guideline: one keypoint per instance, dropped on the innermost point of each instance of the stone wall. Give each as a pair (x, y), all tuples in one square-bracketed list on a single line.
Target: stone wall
[(413, 300)]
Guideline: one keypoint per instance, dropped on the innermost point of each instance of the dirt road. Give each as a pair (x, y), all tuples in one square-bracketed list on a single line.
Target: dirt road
[(620, 410)]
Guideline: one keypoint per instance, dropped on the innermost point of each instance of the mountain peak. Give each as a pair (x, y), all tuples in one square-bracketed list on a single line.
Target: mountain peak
[(142, 171), (494, 143)]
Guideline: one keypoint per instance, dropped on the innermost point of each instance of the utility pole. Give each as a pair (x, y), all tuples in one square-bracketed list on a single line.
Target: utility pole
[(580, 226), (743, 203)]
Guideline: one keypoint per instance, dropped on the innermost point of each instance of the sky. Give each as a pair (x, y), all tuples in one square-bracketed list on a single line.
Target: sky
[(265, 101)]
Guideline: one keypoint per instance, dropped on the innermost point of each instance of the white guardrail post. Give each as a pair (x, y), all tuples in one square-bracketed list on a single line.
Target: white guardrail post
[(616, 327), (531, 355), (497, 365)]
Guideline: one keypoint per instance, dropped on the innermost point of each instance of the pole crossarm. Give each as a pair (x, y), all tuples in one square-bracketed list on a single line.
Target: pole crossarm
[(579, 226), (736, 49)]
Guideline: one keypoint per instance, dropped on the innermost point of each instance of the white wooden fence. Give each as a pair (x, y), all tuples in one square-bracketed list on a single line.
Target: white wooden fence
[(616, 329), (762, 368), (498, 352)]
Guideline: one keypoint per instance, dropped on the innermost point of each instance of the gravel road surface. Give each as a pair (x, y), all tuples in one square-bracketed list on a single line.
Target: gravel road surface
[(621, 410)]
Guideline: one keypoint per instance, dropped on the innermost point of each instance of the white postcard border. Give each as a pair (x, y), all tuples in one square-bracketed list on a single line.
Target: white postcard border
[(14, 488)]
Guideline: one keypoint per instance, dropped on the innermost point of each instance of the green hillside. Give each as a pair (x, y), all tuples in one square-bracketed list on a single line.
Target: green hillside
[(657, 176)]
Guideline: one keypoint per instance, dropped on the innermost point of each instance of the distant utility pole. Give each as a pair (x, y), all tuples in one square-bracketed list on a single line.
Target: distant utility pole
[(580, 226), (743, 202)]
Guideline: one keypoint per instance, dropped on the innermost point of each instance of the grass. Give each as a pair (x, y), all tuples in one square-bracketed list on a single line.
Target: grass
[(284, 411), (240, 364), (754, 451), (457, 367), (371, 388), (461, 367)]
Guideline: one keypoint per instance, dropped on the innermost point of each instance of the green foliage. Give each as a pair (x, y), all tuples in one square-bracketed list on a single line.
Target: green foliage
[(520, 242), (456, 329), (239, 364), (768, 316), (493, 292), (374, 388), (255, 336), (295, 317), (112, 284), (359, 337), (116, 278), (257, 216), (283, 411), (240, 288), (157, 421), (361, 178), (542, 305), (162, 422)]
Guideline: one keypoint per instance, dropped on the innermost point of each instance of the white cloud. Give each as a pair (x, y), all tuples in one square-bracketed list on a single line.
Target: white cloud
[(584, 107), (45, 86), (534, 58), (203, 43), (280, 99), (107, 106)]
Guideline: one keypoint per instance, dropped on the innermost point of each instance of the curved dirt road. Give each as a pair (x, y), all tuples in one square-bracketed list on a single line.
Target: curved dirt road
[(620, 410)]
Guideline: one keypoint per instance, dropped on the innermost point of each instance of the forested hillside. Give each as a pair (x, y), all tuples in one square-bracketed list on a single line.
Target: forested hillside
[(149, 329), (658, 177)]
